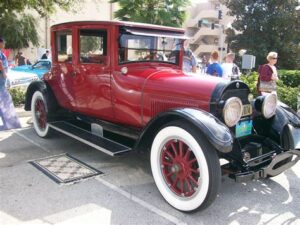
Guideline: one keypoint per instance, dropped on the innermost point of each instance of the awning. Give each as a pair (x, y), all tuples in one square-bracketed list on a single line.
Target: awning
[(153, 33)]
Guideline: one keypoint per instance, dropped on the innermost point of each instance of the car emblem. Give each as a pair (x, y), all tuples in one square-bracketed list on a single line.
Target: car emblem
[(237, 85)]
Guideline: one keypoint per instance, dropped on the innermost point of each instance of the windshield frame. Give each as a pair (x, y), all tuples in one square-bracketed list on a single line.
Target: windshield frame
[(152, 36)]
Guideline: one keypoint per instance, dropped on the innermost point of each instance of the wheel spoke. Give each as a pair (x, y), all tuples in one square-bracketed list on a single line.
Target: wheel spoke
[(181, 148), (174, 149), (165, 163), (187, 154), (170, 174), (189, 185), (195, 171), (174, 184), (192, 160), (169, 154), (193, 180), (182, 186)]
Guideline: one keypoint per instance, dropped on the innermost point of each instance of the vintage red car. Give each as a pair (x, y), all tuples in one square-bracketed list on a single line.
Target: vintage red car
[(119, 87)]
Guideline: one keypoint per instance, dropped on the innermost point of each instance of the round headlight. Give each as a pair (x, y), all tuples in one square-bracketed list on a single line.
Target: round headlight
[(269, 105), (232, 111)]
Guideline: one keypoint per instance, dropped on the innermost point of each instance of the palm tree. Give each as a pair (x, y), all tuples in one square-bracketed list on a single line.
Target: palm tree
[(160, 12)]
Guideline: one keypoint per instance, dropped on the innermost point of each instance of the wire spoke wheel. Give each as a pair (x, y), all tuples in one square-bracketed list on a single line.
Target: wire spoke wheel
[(180, 168), (185, 167), (39, 114)]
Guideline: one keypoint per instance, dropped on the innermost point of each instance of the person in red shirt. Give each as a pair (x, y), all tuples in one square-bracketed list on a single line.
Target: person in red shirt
[(268, 72)]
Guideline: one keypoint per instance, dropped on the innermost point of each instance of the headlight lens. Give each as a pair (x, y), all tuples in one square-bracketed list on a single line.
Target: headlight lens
[(269, 105), (232, 111)]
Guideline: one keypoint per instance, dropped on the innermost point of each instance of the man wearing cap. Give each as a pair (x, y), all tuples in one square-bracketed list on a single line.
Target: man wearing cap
[(8, 118)]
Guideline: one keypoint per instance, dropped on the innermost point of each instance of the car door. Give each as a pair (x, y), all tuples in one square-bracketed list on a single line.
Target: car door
[(91, 82), (62, 73)]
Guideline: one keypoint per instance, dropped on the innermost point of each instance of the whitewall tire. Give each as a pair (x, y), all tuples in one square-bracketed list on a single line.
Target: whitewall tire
[(39, 112), (185, 167)]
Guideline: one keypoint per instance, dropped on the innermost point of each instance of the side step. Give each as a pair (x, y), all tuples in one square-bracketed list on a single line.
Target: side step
[(100, 143)]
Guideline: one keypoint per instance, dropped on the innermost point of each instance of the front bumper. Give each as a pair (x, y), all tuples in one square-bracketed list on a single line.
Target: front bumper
[(279, 164)]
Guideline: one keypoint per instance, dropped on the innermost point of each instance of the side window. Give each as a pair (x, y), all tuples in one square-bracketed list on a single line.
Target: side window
[(64, 46), (93, 46)]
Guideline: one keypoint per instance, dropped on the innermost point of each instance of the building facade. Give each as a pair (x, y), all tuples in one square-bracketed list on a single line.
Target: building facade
[(206, 25), (84, 11)]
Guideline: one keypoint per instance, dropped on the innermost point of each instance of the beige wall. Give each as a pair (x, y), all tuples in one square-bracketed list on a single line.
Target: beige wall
[(84, 11)]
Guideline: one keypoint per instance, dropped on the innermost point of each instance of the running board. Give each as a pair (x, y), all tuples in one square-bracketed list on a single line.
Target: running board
[(103, 144)]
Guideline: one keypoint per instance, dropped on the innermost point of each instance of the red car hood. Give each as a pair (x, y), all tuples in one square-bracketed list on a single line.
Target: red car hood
[(169, 88)]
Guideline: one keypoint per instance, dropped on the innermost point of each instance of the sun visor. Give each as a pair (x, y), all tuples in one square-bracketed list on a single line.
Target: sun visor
[(156, 33)]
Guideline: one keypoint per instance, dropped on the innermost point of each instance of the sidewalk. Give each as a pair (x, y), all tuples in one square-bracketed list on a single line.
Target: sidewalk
[(24, 116)]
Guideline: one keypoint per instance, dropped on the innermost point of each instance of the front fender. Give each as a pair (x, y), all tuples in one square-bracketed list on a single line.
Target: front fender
[(215, 131), (278, 128)]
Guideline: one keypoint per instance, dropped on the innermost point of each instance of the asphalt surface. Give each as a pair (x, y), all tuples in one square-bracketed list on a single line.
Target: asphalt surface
[(125, 193)]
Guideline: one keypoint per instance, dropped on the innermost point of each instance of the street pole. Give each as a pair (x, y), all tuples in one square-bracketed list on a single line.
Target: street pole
[(221, 38)]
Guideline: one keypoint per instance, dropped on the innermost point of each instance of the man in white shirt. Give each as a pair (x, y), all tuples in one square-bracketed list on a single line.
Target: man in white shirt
[(230, 69)]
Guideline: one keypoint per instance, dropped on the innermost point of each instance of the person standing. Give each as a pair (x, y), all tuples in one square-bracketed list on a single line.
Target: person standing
[(45, 55), (214, 68), (230, 70), (268, 75), (8, 118), (189, 61), (20, 59)]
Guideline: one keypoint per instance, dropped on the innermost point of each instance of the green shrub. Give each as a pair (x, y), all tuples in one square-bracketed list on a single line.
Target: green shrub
[(286, 93), (18, 95), (290, 78)]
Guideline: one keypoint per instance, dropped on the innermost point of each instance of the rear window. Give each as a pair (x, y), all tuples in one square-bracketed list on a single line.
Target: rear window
[(64, 49)]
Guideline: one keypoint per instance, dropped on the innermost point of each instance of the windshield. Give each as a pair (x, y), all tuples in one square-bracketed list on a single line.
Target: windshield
[(41, 65), (139, 48)]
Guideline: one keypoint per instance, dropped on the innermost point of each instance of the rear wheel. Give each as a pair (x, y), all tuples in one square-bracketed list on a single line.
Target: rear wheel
[(185, 167), (39, 114)]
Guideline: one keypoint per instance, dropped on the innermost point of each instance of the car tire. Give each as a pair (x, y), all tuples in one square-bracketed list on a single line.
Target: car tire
[(39, 111), (185, 167)]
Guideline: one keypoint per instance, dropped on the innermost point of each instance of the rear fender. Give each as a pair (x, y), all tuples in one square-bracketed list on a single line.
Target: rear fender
[(215, 131), (46, 90)]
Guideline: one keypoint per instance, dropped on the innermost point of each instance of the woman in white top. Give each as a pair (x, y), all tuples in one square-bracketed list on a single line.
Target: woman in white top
[(230, 69)]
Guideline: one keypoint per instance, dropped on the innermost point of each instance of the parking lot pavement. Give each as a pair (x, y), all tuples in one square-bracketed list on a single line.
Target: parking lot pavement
[(125, 193)]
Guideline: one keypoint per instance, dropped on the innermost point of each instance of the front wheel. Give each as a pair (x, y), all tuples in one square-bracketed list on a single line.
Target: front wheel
[(185, 167), (39, 114)]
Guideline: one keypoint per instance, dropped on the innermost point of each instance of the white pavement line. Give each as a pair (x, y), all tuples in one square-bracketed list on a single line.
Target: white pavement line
[(141, 202), (31, 141)]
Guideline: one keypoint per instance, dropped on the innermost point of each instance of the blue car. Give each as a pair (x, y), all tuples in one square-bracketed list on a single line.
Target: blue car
[(41, 67)]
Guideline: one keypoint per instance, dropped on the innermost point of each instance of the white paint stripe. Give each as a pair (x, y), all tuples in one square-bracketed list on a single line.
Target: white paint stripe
[(31, 141), (141, 202)]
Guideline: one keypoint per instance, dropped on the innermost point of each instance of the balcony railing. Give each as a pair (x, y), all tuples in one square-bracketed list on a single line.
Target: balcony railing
[(204, 31), (205, 14)]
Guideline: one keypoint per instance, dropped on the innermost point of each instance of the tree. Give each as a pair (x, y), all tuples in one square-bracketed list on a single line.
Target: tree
[(18, 32), (261, 26), (17, 27), (160, 12)]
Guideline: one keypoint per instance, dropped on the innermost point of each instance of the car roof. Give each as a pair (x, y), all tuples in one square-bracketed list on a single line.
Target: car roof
[(120, 23)]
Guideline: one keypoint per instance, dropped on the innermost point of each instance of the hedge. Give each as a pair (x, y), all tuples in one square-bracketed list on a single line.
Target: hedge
[(288, 87), (18, 95), (290, 78)]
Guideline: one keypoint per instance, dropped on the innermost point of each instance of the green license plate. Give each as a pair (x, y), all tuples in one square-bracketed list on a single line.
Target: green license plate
[(243, 128)]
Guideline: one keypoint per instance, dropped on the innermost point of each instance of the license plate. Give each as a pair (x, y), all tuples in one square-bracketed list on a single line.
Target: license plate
[(243, 128), (247, 110)]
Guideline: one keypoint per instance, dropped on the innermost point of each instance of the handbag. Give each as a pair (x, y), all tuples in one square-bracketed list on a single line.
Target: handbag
[(267, 86)]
